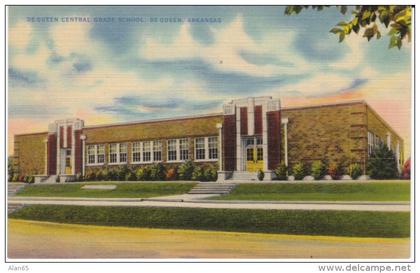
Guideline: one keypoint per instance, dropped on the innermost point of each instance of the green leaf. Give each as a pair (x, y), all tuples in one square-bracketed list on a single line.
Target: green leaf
[(378, 35), (366, 14), (343, 9), (336, 30), (342, 36), (393, 42), (342, 24)]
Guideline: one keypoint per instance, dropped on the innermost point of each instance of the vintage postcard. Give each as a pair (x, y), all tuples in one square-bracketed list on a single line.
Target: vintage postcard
[(184, 133)]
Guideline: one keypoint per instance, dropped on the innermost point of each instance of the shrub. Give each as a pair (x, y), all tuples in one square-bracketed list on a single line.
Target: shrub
[(260, 175), (281, 171), (15, 178), (122, 172), (185, 170), (406, 171), (317, 169), (298, 171), (112, 174), (29, 179), (382, 163), (142, 174), (210, 174), (157, 172), (334, 171), (79, 177), (171, 174), (130, 176), (99, 174), (197, 174), (355, 170)]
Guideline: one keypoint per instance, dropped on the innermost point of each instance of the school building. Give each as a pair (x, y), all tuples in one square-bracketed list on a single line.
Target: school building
[(250, 134)]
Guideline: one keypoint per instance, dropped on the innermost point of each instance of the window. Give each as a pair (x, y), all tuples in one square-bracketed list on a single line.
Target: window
[(260, 154), (100, 153), (206, 148), (172, 150), (157, 150), (95, 154), (183, 148), (213, 149), (91, 151), (136, 152), (370, 142), (113, 153), (123, 152), (146, 151), (200, 148)]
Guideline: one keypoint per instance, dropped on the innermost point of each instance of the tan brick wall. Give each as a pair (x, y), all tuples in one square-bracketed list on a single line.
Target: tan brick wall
[(334, 132), (204, 126), (30, 153), (379, 127)]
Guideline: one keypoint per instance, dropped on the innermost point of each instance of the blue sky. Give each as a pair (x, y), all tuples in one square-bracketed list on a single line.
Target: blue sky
[(119, 71)]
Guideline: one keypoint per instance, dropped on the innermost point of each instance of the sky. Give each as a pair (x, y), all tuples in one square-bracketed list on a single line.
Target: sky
[(115, 64)]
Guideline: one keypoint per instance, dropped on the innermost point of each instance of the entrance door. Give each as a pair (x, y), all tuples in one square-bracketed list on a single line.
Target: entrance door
[(68, 166), (254, 154)]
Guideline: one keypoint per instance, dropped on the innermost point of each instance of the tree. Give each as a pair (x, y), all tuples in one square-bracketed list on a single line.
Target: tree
[(382, 164), (395, 18)]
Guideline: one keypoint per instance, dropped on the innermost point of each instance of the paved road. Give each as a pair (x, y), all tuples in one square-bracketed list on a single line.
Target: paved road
[(182, 202), (31, 239)]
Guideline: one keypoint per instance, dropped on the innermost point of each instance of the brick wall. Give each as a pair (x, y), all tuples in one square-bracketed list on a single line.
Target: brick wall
[(334, 132), (30, 153), (204, 126)]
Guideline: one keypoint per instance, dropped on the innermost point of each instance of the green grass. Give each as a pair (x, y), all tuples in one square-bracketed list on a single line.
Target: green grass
[(134, 190), (335, 223), (378, 191)]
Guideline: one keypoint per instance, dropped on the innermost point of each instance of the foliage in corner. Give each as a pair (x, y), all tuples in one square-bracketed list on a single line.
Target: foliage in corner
[(395, 18), (382, 164)]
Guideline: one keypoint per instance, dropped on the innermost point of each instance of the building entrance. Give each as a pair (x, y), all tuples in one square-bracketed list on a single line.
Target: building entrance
[(254, 154)]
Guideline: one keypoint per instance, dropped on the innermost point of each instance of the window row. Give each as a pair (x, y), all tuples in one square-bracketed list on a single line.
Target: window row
[(373, 142), (205, 149)]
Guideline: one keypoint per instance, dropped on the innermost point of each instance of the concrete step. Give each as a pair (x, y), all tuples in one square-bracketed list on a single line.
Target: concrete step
[(13, 207), (244, 176), (12, 189)]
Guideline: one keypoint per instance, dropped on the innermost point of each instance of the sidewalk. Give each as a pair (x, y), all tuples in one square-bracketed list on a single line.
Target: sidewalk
[(197, 201)]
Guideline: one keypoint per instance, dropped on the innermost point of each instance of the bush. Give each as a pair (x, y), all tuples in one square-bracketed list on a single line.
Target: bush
[(197, 174), (317, 169), (382, 163), (210, 174), (15, 178), (334, 171), (281, 171), (142, 174), (298, 171), (79, 177), (157, 172), (101, 174), (406, 171), (355, 170), (29, 179), (260, 175), (130, 176), (171, 174), (122, 173), (186, 170)]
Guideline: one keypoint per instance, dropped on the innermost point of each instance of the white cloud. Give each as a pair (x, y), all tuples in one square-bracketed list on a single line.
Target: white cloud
[(224, 53)]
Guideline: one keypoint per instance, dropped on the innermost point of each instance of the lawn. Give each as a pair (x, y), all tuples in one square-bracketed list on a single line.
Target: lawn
[(133, 190), (301, 222), (376, 191)]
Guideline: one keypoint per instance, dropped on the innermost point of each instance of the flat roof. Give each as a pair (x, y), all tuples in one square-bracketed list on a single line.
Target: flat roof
[(221, 114)]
